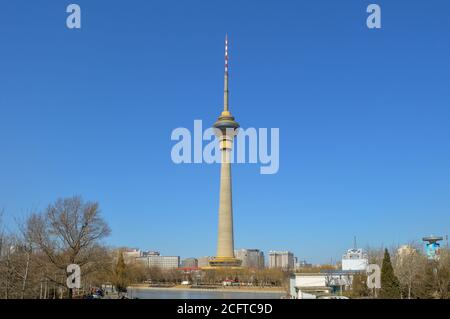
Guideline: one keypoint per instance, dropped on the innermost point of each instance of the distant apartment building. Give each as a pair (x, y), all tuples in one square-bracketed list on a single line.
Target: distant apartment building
[(404, 254), (281, 259), (355, 260), (204, 261), (130, 255), (163, 262), (133, 254), (251, 258), (151, 253), (189, 263), (298, 264)]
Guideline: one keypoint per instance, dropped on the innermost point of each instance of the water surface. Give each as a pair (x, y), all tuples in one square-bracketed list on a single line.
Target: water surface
[(199, 294)]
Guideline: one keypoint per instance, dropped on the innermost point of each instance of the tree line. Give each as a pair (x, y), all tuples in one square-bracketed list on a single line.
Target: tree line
[(34, 257), (407, 274), (34, 260)]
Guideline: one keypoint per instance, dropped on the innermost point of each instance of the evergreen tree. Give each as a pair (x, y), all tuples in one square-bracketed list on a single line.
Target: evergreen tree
[(390, 286)]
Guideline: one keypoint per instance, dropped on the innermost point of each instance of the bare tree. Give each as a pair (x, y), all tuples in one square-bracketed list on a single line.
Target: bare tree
[(67, 232), (436, 279), (6, 265), (11, 267), (409, 266), (375, 255), (24, 254)]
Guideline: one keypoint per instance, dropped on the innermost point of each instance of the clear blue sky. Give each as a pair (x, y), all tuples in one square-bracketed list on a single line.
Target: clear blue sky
[(364, 118)]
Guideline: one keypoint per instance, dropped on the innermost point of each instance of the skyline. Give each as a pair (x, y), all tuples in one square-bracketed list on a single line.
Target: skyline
[(363, 118)]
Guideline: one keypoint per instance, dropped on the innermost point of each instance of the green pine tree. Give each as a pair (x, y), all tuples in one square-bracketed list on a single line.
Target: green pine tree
[(390, 286)]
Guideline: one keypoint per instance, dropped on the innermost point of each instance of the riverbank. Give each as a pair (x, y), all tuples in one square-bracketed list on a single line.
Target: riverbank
[(221, 289)]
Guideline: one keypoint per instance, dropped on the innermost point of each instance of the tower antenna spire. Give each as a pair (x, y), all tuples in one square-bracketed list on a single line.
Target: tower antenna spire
[(225, 91)]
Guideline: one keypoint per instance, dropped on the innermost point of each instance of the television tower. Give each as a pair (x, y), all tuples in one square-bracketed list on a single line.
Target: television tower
[(226, 130)]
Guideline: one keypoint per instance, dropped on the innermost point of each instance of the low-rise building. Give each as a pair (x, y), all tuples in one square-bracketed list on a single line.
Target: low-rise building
[(319, 285), (308, 285)]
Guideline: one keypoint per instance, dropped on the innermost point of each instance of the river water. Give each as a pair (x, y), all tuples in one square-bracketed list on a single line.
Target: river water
[(199, 294)]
